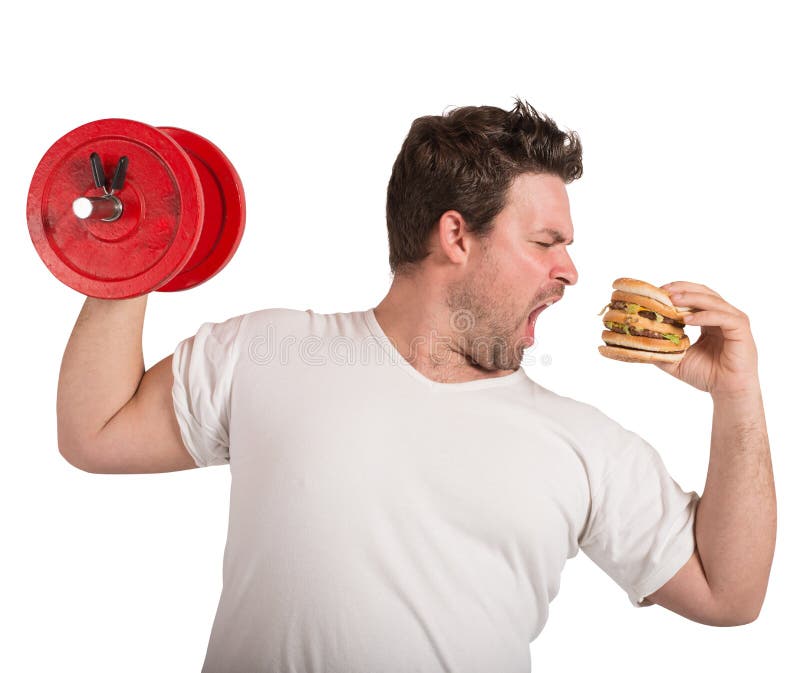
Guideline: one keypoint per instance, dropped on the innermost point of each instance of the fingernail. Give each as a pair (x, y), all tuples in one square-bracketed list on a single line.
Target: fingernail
[(676, 295)]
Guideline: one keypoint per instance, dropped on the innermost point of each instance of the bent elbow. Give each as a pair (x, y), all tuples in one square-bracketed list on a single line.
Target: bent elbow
[(749, 617), (741, 618), (76, 454)]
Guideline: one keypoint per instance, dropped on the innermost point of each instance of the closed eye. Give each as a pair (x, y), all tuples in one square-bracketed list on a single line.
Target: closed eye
[(545, 245)]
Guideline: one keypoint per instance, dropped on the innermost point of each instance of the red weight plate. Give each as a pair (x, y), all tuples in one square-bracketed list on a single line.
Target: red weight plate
[(223, 224), (162, 210)]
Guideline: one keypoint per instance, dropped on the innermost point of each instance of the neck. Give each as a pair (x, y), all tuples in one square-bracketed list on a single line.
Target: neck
[(415, 317)]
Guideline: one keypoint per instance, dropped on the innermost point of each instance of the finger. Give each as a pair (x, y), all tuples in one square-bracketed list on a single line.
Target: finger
[(733, 325), (701, 300), (685, 286)]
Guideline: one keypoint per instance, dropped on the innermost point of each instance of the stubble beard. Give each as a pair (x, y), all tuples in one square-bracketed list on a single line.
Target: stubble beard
[(482, 331)]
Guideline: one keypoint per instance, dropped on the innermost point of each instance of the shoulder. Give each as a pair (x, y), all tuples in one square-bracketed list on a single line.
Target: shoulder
[(577, 414), (595, 436), (234, 326), (278, 316), (301, 326)]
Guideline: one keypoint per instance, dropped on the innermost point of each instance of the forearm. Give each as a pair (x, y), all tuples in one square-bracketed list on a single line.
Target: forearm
[(737, 514), (101, 368)]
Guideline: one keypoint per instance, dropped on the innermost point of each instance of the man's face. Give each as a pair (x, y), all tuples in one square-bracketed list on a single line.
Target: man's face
[(520, 266)]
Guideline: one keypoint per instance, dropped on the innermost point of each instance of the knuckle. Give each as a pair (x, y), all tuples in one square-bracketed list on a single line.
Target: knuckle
[(709, 290)]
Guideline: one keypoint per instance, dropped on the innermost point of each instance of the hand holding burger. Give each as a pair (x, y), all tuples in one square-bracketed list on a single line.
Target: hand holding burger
[(642, 324)]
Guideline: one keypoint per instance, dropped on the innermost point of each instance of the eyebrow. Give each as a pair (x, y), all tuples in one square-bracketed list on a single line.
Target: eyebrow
[(556, 235)]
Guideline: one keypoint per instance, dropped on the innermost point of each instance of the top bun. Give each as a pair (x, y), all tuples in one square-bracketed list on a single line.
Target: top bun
[(659, 300), (645, 289)]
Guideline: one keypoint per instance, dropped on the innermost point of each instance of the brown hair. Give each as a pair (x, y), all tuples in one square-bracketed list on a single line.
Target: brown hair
[(466, 160)]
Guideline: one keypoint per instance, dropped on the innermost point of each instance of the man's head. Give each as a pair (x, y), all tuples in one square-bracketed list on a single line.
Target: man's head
[(478, 214), (466, 160)]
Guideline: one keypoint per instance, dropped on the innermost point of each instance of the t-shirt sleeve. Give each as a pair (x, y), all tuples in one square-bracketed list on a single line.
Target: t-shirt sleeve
[(202, 368), (640, 529)]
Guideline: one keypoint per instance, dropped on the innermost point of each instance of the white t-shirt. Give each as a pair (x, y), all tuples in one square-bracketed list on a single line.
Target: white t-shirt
[(382, 522)]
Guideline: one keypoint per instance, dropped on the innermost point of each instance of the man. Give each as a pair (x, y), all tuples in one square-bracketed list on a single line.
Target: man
[(403, 496)]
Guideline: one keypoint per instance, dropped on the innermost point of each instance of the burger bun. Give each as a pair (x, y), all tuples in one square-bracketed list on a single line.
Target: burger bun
[(629, 355)]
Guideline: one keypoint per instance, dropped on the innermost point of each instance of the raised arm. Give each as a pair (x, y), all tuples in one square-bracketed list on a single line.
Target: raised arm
[(113, 417), (725, 581)]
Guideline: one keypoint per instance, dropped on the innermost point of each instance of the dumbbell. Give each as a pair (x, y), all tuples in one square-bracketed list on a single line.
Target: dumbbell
[(117, 208)]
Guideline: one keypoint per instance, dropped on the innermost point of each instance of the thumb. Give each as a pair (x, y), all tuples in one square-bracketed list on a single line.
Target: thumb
[(669, 367)]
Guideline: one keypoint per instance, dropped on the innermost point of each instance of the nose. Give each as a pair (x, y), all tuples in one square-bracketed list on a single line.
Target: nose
[(564, 269)]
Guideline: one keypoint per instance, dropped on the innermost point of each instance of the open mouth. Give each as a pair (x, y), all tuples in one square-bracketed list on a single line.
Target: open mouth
[(532, 318), (537, 311)]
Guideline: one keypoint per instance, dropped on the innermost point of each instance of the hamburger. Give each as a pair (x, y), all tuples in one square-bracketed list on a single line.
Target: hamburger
[(642, 324)]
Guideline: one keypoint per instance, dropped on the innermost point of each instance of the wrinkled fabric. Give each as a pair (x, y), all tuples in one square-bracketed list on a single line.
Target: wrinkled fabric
[(383, 522)]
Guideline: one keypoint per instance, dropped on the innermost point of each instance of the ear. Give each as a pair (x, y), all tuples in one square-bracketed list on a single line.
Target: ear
[(453, 238)]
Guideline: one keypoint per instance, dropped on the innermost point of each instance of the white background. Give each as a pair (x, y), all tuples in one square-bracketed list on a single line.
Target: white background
[(689, 121)]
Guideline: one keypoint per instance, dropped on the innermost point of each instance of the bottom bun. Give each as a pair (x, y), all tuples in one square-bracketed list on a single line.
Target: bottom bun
[(631, 355)]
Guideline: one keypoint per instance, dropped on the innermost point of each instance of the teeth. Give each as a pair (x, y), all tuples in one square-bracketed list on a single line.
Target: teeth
[(549, 303)]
